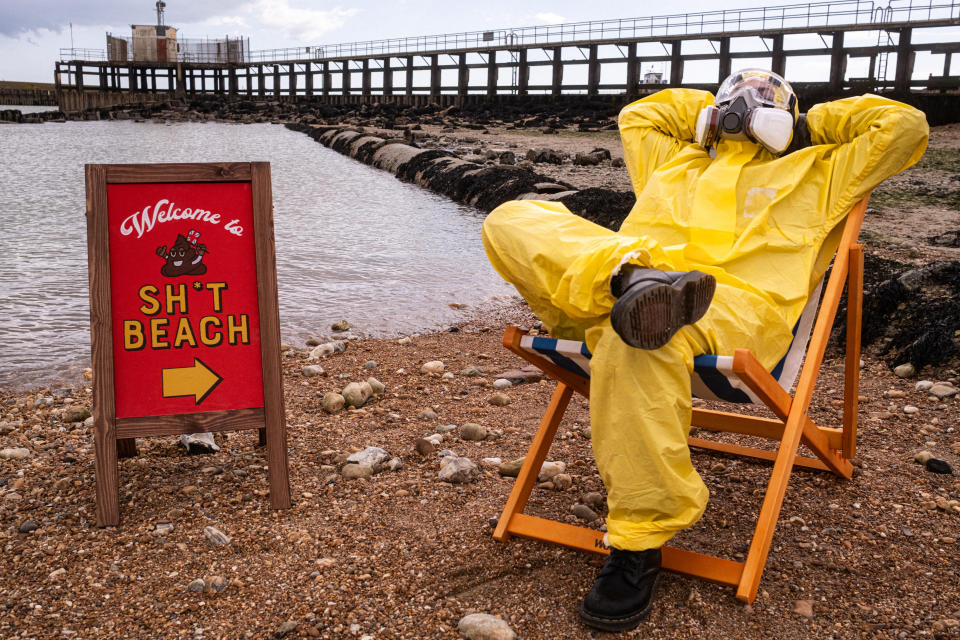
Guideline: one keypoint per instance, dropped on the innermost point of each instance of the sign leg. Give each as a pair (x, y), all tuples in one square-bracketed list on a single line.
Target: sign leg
[(262, 437), (277, 462), (127, 448), (108, 485)]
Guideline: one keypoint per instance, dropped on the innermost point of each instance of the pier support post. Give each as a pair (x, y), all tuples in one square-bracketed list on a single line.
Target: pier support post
[(327, 83), (261, 88), (435, 77), (676, 64), (523, 73), (492, 73), (409, 79), (593, 72), (946, 63), (724, 58), (556, 81), (234, 87), (345, 80), (387, 78), (901, 83), (365, 81), (633, 72), (308, 80), (463, 79), (292, 80), (103, 78), (276, 81), (778, 60), (838, 62)]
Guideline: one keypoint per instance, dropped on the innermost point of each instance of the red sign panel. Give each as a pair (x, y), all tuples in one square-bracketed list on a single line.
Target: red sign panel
[(183, 274)]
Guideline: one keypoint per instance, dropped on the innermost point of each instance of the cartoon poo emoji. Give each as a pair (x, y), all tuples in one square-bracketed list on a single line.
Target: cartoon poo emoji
[(185, 257)]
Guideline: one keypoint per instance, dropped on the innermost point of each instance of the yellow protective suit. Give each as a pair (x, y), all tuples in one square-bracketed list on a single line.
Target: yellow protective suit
[(765, 227)]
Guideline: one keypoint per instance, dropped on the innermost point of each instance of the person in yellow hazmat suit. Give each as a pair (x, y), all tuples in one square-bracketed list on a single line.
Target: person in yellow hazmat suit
[(728, 238)]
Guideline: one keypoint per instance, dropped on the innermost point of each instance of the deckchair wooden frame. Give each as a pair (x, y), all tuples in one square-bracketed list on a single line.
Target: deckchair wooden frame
[(833, 448)]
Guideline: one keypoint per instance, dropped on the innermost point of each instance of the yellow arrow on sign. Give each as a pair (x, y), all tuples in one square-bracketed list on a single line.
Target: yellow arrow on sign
[(197, 381)]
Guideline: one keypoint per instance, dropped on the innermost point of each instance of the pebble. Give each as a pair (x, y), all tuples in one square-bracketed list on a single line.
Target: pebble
[(444, 428), (549, 469), (75, 414), (905, 370), (28, 526), (435, 438), (356, 394), (935, 465), (459, 470), (894, 393), (490, 462), (217, 537), (373, 457), (196, 586), (921, 457), (370, 364), (16, 453), (472, 431), (594, 500), (943, 391), (924, 385), (511, 468), (562, 481), (340, 325), (434, 366), (499, 400), (394, 464), (483, 626), (403, 342), (427, 414), (471, 372), (584, 512), (332, 402), (425, 447), (354, 471), (502, 383), (198, 443), (377, 386), (910, 409), (312, 370), (285, 628), (447, 376), (805, 607), (163, 528), (215, 584)]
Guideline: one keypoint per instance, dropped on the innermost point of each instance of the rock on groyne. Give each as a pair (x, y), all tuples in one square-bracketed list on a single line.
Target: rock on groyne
[(484, 186)]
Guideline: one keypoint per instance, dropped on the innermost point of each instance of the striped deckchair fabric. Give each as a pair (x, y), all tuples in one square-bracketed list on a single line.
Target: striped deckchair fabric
[(736, 377), (713, 377)]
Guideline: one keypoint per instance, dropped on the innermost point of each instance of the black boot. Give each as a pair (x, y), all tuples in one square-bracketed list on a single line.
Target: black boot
[(652, 305), (623, 594)]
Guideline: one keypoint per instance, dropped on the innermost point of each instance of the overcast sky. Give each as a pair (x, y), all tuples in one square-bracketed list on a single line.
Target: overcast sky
[(33, 31)]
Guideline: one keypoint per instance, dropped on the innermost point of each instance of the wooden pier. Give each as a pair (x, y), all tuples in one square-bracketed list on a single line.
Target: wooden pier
[(589, 58)]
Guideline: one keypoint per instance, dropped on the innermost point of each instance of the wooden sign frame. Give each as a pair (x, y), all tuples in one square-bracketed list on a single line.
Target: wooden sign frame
[(115, 437)]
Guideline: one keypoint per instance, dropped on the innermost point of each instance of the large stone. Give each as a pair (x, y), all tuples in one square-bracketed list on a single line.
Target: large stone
[(459, 470), (803, 608), (327, 349), (942, 390), (520, 376), (483, 626), (354, 471), (198, 443), (373, 457), (584, 512), (502, 384), (511, 468), (549, 469), (312, 370), (377, 386), (215, 536), (543, 154), (905, 370), (434, 366), (75, 414), (499, 399), (340, 325), (356, 394), (16, 453), (332, 402), (473, 431)]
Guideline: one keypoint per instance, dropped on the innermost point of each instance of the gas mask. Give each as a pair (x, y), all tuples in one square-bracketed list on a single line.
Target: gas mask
[(754, 105)]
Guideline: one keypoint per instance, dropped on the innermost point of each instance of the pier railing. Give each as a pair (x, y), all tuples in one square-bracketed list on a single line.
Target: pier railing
[(803, 17)]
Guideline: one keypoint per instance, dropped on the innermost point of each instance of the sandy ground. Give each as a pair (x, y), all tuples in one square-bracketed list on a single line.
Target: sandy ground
[(403, 554)]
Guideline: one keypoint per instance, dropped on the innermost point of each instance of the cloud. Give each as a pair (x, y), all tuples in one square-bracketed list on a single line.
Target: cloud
[(550, 18), (300, 25)]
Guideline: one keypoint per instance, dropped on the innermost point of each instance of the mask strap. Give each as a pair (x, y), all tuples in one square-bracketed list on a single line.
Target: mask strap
[(713, 220)]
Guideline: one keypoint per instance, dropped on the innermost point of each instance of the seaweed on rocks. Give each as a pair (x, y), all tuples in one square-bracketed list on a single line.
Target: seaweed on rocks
[(605, 207), (910, 314)]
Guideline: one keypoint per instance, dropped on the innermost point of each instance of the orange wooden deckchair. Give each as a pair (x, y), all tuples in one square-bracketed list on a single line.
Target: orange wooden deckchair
[(834, 448)]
